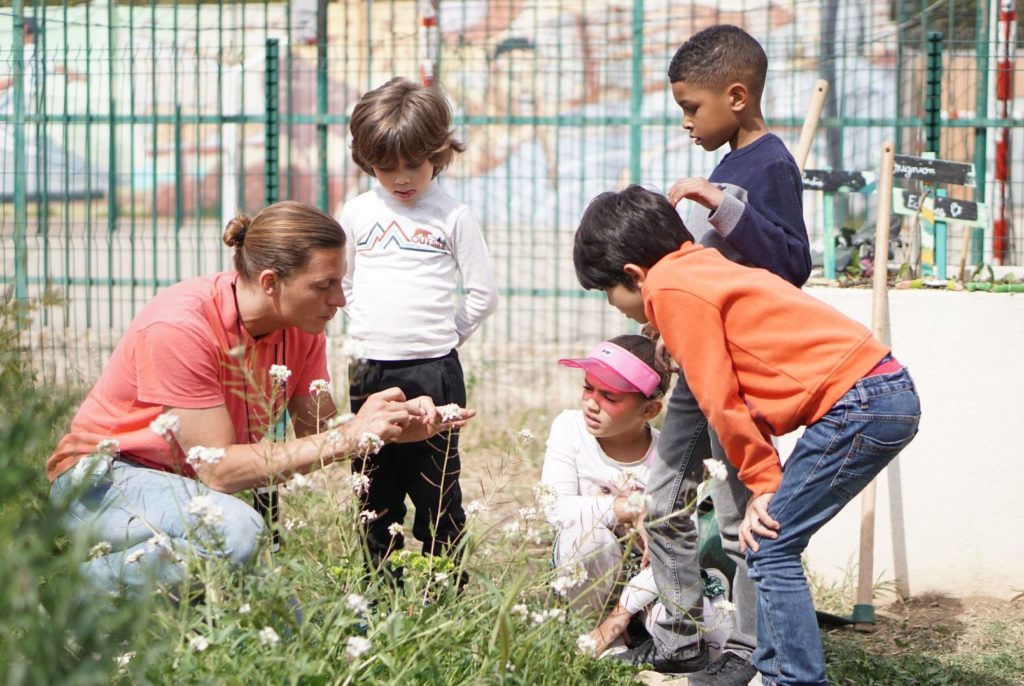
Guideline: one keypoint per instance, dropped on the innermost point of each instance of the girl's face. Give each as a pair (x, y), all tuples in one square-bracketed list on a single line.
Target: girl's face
[(406, 182), (608, 412)]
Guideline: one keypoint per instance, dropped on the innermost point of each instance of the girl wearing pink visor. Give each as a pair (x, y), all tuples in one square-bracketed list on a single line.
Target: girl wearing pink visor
[(594, 478)]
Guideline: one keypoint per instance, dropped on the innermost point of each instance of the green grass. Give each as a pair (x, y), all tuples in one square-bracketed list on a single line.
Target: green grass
[(243, 628)]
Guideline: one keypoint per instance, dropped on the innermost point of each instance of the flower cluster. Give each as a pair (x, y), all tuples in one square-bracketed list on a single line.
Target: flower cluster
[(475, 507), (279, 374), (199, 643), (357, 603), (199, 455), (319, 387), (359, 483), (545, 615), (716, 468), (396, 529), (370, 443), (108, 447), (356, 646), (367, 516), (636, 503), (165, 426), (268, 637), (522, 437), (570, 576), (450, 412), (203, 508), (99, 550), (587, 645)]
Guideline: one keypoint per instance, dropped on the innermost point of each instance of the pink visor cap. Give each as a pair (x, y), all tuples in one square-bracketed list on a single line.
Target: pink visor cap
[(618, 369)]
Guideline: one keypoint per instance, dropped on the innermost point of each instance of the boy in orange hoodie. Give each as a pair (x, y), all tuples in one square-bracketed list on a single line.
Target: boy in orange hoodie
[(762, 358)]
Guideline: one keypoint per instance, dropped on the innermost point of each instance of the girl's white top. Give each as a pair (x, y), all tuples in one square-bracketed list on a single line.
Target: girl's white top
[(586, 481), (403, 267)]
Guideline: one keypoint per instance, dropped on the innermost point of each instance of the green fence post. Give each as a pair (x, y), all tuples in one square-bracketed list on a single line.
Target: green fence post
[(20, 168), (273, 121), (828, 220), (981, 132)]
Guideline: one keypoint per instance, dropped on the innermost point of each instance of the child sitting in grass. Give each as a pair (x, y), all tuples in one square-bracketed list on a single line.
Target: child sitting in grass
[(595, 473)]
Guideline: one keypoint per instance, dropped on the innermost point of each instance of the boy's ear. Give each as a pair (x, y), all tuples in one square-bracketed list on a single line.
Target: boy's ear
[(739, 96), (637, 273)]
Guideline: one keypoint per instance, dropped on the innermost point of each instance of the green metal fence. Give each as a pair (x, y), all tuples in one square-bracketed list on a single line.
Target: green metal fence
[(131, 132)]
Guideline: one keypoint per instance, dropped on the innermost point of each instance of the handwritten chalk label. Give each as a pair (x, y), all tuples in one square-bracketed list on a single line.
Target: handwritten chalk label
[(835, 180), (933, 171)]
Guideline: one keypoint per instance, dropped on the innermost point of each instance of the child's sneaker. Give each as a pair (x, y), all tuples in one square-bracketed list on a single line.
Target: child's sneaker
[(647, 653), (728, 670)]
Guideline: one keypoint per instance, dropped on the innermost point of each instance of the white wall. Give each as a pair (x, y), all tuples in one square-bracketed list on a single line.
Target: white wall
[(962, 478)]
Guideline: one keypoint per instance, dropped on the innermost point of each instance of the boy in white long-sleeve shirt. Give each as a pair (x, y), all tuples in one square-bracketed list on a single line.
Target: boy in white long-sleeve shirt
[(408, 244)]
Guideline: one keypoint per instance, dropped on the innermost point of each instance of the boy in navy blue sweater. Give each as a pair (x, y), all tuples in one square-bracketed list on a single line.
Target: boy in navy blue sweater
[(750, 209)]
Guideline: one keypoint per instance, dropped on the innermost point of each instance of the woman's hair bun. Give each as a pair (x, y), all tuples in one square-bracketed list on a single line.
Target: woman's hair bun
[(234, 234)]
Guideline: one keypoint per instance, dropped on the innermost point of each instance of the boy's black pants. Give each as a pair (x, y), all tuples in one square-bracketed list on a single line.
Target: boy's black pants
[(427, 471)]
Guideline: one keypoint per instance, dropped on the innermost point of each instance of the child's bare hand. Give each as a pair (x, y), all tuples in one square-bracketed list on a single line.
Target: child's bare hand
[(757, 522), (663, 358), (697, 189)]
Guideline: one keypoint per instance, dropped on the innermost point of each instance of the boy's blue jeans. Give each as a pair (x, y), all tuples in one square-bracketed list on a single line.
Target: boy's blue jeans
[(835, 459)]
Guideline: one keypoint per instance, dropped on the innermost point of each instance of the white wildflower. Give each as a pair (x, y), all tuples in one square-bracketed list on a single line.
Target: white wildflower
[(486, 553), (510, 529), (290, 524), (636, 503), (203, 508), (268, 637), (160, 543), (300, 482), (527, 514), (244, 609), (199, 643), (723, 606), (628, 479), (441, 578), (339, 419), (450, 412), (572, 575), (396, 529), (165, 426), (545, 497), (99, 550), (131, 558), (108, 447), (475, 507), (545, 615), (357, 603), (370, 443), (360, 483), (319, 387), (333, 438), (524, 436), (717, 470), (520, 610), (356, 646), (199, 455), (121, 661), (367, 516), (354, 350), (587, 644), (279, 374)]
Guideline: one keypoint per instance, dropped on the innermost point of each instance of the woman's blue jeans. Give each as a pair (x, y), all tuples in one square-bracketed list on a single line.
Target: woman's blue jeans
[(143, 515), (835, 459)]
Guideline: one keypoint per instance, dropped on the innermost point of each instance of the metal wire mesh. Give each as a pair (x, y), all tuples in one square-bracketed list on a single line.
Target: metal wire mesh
[(140, 129)]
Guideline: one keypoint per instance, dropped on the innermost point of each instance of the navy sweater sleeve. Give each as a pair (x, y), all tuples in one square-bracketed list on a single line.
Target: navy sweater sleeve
[(762, 217)]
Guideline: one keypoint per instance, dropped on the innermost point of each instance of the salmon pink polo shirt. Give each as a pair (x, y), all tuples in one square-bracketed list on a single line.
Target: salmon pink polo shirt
[(188, 349)]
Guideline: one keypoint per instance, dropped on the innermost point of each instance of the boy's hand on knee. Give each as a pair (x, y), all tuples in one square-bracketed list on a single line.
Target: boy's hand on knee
[(757, 522), (699, 190)]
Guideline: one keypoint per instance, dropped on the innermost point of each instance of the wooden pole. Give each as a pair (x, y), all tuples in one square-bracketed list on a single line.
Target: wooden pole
[(864, 612), (817, 104)]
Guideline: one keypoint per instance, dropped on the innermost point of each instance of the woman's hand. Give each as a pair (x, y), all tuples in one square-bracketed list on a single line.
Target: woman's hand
[(426, 420), (757, 522)]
